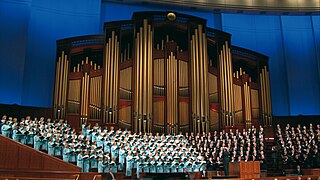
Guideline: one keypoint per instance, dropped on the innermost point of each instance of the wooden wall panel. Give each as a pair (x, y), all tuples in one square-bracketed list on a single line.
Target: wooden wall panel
[(184, 116), (238, 103), (20, 157), (255, 103), (158, 116), (214, 120), (213, 89), (125, 115), (126, 84), (74, 96), (183, 79), (158, 77)]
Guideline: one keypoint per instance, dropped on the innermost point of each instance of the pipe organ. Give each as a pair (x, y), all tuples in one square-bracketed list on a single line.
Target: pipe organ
[(159, 74)]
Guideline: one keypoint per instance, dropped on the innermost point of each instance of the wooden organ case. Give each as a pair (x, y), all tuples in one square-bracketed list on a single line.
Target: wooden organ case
[(161, 72)]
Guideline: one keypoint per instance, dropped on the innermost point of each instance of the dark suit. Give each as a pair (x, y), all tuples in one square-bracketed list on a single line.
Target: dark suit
[(226, 161), (204, 174), (109, 176)]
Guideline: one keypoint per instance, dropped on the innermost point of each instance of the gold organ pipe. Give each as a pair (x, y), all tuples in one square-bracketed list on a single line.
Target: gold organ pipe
[(200, 72), (222, 89), (82, 99), (106, 89), (116, 87), (193, 83), (141, 80), (64, 90), (228, 83), (206, 84), (136, 100), (269, 99), (231, 88), (60, 80), (149, 77), (57, 85), (144, 103), (197, 79), (168, 95), (264, 96), (110, 105)]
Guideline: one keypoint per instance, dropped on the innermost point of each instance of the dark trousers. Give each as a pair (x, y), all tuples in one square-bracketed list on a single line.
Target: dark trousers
[(226, 169)]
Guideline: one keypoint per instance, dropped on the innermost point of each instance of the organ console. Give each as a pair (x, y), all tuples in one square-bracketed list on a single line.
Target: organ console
[(156, 73)]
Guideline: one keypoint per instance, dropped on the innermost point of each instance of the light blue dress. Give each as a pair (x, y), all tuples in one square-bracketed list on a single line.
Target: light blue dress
[(36, 142), (66, 154), (86, 164), (101, 167), (80, 162), (122, 156), (14, 135), (139, 169), (153, 167), (50, 148), (129, 164)]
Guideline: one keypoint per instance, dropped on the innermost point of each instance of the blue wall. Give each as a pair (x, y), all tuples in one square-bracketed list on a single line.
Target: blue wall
[(30, 28)]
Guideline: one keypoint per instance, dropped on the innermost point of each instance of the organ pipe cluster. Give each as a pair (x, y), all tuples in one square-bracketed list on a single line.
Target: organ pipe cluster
[(143, 78), (265, 96), (110, 102), (226, 86), (85, 92), (247, 103), (172, 94), (60, 91), (199, 74)]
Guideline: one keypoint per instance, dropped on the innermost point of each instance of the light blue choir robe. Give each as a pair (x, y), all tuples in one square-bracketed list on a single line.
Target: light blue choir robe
[(160, 167), (73, 155), (114, 151), (174, 167), (50, 148), (89, 134), (36, 142), (114, 167), (66, 154), (93, 161), (146, 167), (153, 167), (129, 165), (80, 162), (188, 165), (196, 167), (166, 168), (106, 147), (15, 136), (122, 156), (86, 163), (101, 167), (139, 169), (99, 141), (84, 130), (23, 138), (94, 136), (6, 130), (181, 167), (30, 138), (57, 150), (44, 144), (106, 169)]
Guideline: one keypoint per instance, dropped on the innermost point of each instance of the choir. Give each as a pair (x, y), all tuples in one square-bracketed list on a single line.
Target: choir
[(95, 147), (299, 146)]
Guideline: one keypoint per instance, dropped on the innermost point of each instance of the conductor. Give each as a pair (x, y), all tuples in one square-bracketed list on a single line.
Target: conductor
[(226, 161)]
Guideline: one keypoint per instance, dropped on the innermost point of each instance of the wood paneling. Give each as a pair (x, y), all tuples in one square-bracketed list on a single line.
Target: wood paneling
[(18, 158)]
